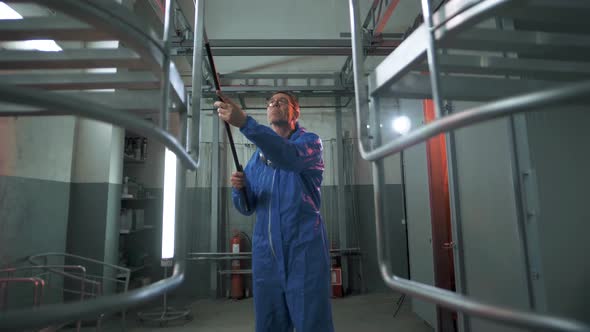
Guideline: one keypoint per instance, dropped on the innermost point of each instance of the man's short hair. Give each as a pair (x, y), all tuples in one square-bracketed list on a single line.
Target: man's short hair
[(293, 102)]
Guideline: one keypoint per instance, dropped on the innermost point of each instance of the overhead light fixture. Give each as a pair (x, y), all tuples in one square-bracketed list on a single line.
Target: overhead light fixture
[(169, 208), (45, 45), (401, 124)]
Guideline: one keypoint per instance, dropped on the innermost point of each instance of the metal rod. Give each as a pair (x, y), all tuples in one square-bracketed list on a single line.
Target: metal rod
[(445, 298), (197, 80), (432, 59), (227, 128), (164, 108)]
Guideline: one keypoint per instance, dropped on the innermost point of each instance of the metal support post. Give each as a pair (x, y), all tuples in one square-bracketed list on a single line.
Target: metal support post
[(342, 219)]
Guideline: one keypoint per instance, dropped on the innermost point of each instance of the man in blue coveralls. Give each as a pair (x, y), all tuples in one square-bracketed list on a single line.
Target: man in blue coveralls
[(290, 256)]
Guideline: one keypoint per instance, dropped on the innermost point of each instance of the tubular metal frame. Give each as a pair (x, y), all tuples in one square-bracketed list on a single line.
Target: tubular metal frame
[(99, 15), (522, 103)]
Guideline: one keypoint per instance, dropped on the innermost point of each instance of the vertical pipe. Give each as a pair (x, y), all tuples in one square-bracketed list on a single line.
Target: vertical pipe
[(342, 220), (197, 79), (214, 199), (165, 86), (456, 226), (432, 58)]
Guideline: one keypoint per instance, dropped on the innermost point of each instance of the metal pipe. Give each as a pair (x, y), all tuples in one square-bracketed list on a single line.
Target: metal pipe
[(54, 313), (85, 108), (432, 58), (489, 111), (164, 108), (197, 79)]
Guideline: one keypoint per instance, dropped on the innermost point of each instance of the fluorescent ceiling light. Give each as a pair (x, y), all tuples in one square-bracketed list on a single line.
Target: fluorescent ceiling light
[(46, 45), (169, 208)]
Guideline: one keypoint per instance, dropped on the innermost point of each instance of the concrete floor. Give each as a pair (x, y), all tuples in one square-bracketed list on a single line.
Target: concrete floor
[(367, 313)]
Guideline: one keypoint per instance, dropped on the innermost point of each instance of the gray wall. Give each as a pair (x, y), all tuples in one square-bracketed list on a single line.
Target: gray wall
[(493, 254), (418, 214), (97, 163), (35, 166), (559, 155)]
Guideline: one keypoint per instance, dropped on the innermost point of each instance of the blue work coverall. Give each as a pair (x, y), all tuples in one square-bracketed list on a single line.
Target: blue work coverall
[(290, 255)]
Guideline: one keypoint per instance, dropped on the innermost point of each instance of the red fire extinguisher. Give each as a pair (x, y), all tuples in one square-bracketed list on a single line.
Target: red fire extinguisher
[(237, 282)]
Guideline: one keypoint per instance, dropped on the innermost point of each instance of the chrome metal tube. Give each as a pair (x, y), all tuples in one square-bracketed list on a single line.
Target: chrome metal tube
[(197, 79), (445, 298), (432, 58)]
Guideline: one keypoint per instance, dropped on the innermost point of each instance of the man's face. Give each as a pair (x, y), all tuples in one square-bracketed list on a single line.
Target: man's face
[(278, 109)]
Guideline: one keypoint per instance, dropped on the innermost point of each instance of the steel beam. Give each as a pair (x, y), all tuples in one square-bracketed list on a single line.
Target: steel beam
[(529, 42), (277, 51), (51, 27), (83, 81), (70, 59), (142, 101), (417, 86), (342, 219), (495, 65), (232, 76)]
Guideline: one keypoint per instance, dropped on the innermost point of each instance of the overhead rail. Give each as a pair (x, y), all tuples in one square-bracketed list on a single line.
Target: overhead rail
[(444, 28)]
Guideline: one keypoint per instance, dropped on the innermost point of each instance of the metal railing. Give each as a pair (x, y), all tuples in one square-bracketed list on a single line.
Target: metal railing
[(97, 13), (376, 153)]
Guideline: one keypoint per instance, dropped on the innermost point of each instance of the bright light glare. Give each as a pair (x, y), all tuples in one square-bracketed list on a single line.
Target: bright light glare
[(169, 214), (46, 45), (7, 13), (401, 124)]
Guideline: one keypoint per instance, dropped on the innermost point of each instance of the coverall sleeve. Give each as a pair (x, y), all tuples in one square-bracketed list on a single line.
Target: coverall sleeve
[(304, 153), (237, 197)]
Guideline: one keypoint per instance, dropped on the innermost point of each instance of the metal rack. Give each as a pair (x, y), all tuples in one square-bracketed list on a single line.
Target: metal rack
[(542, 63), (145, 82)]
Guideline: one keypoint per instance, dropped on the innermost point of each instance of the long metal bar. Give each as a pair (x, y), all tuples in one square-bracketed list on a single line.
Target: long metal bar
[(70, 59), (137, 101), (529, 42), (255, 76), (165, 89), (512, 105), (82, 81), (432, 59), (214, 230), (197, 78), (456, 222), (55, 313), (304, 88), (53, 27), (230, 137), (72, 105), (342, 219), (495, 65), (278, 51), (416, 86)]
